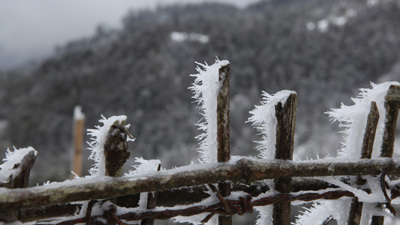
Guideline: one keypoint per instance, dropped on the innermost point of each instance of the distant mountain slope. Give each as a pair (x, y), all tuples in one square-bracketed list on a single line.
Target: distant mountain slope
[(324, 51)]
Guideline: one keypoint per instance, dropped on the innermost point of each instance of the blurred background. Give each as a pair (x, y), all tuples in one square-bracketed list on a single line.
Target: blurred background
[(135, 58)]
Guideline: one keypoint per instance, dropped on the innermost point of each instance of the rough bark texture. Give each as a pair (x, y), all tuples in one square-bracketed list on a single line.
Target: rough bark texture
[(223, 135), (286, 120), (370, 131), (355, 212), (116, 150), (243, 171), (377, 220)]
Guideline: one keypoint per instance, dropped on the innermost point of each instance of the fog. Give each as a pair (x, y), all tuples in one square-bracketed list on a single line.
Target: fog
[(30, 30)]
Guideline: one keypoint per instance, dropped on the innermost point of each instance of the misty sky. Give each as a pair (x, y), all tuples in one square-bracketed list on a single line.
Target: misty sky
[(31, 29)]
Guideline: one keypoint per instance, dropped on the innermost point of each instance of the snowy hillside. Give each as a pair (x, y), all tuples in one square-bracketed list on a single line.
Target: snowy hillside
[(142, 71)]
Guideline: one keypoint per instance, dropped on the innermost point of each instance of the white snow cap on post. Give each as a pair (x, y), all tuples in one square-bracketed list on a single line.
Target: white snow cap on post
[(354, 119), (206, 87), (264, 120), (98, 139), (12, 158), (78, 114)]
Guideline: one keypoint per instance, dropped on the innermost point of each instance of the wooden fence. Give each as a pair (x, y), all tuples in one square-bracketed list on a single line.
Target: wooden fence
[(182, 191)]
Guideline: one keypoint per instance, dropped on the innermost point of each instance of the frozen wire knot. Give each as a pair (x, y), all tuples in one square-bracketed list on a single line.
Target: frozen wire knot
[(385, 185)]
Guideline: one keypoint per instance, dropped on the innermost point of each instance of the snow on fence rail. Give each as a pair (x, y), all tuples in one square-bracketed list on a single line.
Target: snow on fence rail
[(360, 183)]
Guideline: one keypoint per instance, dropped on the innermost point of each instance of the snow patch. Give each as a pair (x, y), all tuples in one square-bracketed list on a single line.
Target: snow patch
[(337, 20), (183, 36), (78, 114), (323, 209)]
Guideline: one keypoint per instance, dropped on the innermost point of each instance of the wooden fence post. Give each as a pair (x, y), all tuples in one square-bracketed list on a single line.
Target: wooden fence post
[(366, 153), (116, 154), (116, 149), (78, 139), (392, 103), (286, 117), (20, 180), (151, 204), (223, 132)]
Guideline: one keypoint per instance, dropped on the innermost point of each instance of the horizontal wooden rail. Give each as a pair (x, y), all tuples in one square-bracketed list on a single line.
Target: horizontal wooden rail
[(241, 171)]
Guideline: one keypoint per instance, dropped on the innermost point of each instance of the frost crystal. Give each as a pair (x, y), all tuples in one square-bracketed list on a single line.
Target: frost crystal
[(98, 139), (354, 119), (265, 215), (144, 166), (322, 209), (206, 88), (264, 120)]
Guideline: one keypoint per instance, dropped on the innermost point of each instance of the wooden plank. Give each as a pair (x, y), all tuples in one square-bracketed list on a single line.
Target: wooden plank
[(223, 133), (241, 171), (286, 120)]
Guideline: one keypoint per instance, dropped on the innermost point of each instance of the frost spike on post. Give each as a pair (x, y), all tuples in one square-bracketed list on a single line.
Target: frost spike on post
[(223, 135), (366, 153), (286, 121)]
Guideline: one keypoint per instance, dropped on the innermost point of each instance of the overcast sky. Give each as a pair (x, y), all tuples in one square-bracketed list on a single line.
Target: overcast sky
[(32, 28)]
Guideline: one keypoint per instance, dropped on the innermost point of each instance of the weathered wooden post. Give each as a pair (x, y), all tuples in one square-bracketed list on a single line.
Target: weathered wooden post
[(223, 132), (366, 153), (116, 149), (78, 139), (286, 121), (392, 103), (17, 177), (151, 204)]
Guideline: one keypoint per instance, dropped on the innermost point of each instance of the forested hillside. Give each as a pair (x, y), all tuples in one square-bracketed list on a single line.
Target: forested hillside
[(323, 50)]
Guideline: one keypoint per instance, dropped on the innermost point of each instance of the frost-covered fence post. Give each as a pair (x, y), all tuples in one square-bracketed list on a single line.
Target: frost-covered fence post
[(78, 138), (151, 204), (366, 153), (223, 132), (211, 92), (109, 147), (116, 149), (392, 103), (15, 173), (286, 121)]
